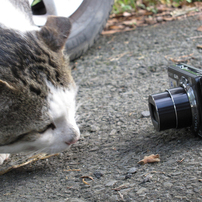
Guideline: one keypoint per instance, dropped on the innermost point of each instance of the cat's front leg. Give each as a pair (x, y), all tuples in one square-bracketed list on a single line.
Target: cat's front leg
[(3, 157)]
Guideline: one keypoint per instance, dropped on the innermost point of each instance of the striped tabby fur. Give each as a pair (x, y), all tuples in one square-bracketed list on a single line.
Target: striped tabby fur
[(37, 91)]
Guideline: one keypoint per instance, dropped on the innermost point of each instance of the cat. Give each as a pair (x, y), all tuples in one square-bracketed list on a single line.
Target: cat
[(37, 91)]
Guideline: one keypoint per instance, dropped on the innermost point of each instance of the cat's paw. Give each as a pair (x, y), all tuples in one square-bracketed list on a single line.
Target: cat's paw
[(3, 157)]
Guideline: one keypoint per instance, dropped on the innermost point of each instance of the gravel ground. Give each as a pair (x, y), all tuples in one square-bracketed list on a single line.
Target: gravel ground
[(115, 78)]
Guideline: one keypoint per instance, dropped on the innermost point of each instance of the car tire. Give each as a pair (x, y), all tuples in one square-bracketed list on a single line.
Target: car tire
[(88, 22)]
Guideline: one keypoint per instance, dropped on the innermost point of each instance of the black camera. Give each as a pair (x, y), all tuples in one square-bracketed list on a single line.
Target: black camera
[(180, 106)]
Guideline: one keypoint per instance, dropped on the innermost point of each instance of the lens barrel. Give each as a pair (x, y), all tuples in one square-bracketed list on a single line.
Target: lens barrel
[(170, 109)]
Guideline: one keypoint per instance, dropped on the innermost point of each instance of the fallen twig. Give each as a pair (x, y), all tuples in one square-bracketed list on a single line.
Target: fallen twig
[(72, 170), (32, 159), (83, 179), (182, 58), (120, 188), (121, 195), (194, 37), (180, 161)]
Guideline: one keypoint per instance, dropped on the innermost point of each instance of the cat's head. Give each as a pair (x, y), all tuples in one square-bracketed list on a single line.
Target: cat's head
[(37, 91)]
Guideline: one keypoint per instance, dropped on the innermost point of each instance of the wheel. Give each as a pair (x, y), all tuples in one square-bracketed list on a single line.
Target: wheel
[(88, 19), (87, 23)]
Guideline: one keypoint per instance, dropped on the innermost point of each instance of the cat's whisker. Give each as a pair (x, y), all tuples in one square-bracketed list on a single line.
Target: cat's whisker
[(79, 104), (77, 117)]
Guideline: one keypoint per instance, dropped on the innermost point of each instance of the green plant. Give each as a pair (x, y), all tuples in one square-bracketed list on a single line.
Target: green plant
[(35, 2), (121, 6)]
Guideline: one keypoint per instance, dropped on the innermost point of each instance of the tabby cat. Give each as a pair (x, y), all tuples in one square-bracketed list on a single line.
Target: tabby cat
[(37, 91)]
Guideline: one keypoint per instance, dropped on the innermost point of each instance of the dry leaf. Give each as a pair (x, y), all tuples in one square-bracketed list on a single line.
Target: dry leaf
[(126, 14), (200, 28), (130, 22), (168, 18), (182, 11), (110, 32), (150, 159), (119, 27), (199, 46)]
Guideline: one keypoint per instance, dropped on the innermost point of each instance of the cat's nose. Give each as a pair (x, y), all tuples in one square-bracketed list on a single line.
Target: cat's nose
[(74, 136)]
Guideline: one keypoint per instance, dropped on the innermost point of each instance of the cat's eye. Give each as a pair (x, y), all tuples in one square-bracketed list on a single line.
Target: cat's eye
[(51, 125)]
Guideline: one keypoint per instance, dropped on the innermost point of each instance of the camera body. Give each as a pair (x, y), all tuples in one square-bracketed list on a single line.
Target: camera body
[(180, 106)]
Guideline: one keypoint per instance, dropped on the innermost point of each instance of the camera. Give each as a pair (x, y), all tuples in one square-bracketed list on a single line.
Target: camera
[(181, 105)]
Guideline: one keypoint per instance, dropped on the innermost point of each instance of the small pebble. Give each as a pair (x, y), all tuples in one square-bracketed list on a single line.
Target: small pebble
[(128, 176), (76, 200), (147, 179), (159, 19), (142, 71), (98, 174), (110, 183), (132, 170), (113, 198), (196, 190), (141, 190), (120, 177), (167, 184), (145, 114)]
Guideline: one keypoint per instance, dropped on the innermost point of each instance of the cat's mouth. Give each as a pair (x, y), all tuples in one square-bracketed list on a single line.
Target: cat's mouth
[(71, 142)]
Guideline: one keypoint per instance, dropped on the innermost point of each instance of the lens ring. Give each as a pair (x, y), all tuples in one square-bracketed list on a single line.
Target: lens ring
[(192, 101), (154, 113), (162, 105), (170, 109), (173, 106)]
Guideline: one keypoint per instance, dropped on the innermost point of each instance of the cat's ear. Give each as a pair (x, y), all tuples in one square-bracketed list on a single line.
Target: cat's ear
[(5, 86), (55, 32)]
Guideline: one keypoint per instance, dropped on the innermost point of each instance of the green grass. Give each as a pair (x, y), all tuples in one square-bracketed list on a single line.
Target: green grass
[(121, 6), (35, 2)]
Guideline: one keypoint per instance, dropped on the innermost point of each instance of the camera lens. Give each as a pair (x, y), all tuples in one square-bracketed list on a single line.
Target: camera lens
[(170, 109)]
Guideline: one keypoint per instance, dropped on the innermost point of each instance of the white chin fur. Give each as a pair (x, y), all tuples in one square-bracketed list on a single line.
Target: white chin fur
[(62, 114)]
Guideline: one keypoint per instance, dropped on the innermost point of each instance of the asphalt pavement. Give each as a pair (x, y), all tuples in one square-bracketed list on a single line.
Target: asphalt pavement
[(115, 78)]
